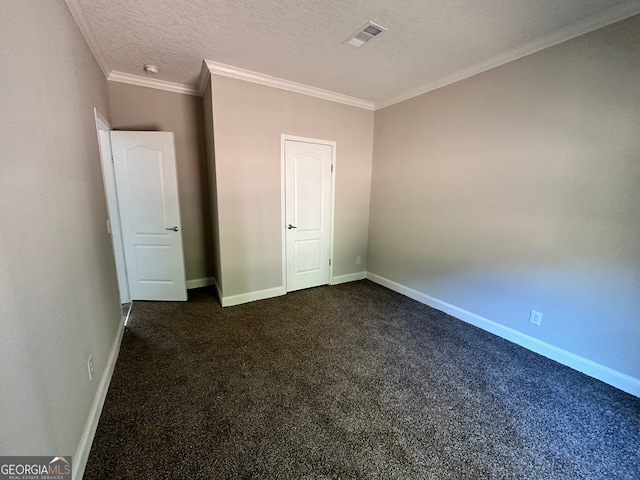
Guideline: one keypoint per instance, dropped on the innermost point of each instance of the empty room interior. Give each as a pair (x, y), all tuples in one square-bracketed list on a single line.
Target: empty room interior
[(469, 308)]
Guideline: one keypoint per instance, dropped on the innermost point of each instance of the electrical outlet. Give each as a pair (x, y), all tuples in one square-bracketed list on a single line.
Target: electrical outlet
[(90, 367), (535, 317), (358, 260)]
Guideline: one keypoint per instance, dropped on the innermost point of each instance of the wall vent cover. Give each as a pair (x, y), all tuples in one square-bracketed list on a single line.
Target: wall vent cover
[(364, 34)]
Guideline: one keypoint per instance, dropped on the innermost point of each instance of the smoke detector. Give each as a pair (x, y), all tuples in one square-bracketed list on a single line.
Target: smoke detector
[(364, 34), (152, 69)]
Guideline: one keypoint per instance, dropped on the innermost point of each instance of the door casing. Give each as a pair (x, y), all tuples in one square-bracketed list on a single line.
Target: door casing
[(283, 185), (108, 176)]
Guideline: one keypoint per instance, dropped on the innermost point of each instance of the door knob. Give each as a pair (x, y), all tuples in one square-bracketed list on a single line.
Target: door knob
[(175, 229), (291, 226)]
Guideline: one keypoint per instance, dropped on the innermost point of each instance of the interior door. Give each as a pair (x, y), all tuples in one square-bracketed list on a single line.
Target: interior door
[(307, 213), (147, 189)]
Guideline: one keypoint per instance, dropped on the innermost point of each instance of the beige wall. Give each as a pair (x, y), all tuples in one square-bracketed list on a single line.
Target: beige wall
[(519, 189), (248, 122), (213, 244), (59, 299), (140, 108)]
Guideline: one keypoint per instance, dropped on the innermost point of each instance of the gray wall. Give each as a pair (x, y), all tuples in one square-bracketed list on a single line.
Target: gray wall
[(141, 108), (519, 189), (59, 299)]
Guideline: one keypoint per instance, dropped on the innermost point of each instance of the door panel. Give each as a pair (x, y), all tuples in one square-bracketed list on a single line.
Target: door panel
[(308, 202), (308, 256), (308, 213), (147, 186)]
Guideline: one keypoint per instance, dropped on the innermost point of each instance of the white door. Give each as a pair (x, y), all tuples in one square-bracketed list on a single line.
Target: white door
[(307, 213), (147, 186)]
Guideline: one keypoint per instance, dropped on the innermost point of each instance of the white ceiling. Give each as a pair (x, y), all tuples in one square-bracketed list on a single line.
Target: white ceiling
[(428, 43)]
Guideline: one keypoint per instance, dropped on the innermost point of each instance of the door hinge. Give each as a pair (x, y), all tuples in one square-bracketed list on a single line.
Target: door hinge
[(332, 168), (329, 261)]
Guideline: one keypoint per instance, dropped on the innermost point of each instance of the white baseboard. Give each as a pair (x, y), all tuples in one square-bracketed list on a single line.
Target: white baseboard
[(608, 375), (350, 277), (232, 300), (125, 319), (200, 282), (218, 289), (84, 447)]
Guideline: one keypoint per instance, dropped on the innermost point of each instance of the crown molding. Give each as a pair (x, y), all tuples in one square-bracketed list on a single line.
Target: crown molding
[(122, 77), (603, 19), (259, 78), (89, 37)]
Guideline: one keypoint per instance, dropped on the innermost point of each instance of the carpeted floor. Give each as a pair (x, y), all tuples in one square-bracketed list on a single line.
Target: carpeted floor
[(348, 382)]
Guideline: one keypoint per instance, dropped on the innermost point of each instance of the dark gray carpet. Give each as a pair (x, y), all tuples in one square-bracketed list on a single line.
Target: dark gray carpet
[(348, 382)]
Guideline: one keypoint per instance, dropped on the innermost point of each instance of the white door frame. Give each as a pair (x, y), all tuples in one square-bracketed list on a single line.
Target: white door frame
[(283, 184), (108, 178)]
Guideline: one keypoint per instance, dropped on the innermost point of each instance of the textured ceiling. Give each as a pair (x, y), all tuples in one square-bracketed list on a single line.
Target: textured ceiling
[(302, 40)]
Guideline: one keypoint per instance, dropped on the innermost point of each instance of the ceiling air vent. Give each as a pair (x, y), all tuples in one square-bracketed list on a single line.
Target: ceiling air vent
[(364, 34)]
